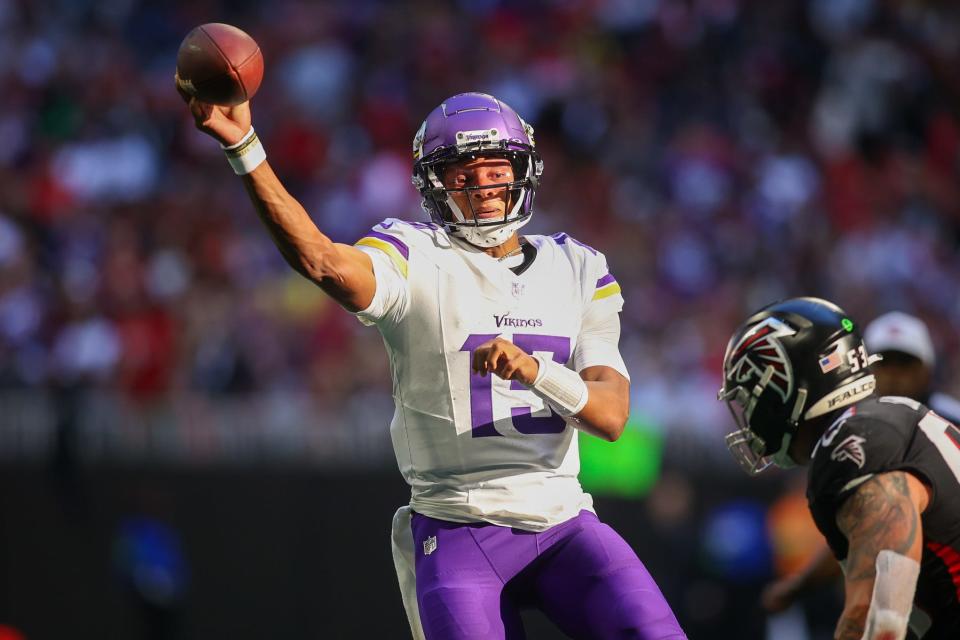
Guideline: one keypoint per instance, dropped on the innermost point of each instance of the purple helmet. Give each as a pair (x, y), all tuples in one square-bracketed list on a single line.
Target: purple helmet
[(464, 127)]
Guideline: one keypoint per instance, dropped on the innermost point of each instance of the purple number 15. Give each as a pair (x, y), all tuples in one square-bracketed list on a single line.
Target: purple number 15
[(481, 387)]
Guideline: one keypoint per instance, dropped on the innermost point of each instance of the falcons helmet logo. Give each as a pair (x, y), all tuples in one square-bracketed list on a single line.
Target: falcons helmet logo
[(759, 349)]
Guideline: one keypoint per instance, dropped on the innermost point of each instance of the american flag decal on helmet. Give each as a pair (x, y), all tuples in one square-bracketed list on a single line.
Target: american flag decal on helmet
[(832, 361), (758, 350)]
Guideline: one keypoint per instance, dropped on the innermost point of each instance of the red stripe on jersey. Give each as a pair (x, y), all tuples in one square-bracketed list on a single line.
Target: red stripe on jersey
[(950, 558), (954, 434)]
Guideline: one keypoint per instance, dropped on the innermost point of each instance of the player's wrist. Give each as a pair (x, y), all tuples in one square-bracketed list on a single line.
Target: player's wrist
[(246, 154), (534, 371), (562, 388)]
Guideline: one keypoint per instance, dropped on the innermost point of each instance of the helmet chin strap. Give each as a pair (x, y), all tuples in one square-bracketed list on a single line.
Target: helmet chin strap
[(485, 237), (782, 458)]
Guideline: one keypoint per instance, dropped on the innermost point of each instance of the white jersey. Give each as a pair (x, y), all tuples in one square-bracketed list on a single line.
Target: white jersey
[(478, 448)]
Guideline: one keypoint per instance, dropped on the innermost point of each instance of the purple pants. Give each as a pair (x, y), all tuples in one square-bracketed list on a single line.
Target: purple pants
[(473, 580)]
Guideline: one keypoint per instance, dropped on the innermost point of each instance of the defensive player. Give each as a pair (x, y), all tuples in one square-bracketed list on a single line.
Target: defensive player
[(884, 478), (499, 346), (906, 369)]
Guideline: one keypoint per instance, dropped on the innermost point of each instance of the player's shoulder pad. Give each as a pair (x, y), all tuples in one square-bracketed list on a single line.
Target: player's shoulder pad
[(592, 264), (408, 231), (397, 237), (571, 246), (865, 439)]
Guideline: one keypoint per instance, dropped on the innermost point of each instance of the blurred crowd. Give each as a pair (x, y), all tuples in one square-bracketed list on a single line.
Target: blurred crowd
[(722, 153)]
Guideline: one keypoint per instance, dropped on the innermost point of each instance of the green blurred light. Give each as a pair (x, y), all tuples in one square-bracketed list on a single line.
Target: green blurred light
[(847, 324), (626, 468)]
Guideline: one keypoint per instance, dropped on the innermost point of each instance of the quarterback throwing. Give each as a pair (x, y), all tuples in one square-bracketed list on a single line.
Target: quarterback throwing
[(500, 346)]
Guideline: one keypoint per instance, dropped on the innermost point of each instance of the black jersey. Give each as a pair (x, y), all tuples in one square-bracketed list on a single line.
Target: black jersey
[(889, 434)]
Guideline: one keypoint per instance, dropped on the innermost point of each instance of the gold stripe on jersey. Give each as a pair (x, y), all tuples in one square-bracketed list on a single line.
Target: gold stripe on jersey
[(606, 291), (388, 249)]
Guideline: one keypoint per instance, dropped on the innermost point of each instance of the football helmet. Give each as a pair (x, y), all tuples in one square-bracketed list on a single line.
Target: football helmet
[(466, 126), (790, 362)]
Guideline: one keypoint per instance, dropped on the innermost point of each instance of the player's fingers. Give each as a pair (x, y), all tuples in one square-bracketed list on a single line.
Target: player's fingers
[(238, 112), (479, 358), (180, 89), (198, 110), (505, 365), (508, 367), (204, 114), (486, 356), (496, 353)]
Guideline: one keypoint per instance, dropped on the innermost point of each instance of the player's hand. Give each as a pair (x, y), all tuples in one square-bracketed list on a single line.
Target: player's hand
[(780, 595), (506, 360), (227, 124)]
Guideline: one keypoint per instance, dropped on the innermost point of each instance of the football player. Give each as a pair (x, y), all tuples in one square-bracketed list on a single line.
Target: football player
[(500, 347), (905, 369), (884, 477)]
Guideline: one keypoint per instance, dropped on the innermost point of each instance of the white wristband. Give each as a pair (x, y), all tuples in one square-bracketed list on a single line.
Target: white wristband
[(246, 155), (562, 388)]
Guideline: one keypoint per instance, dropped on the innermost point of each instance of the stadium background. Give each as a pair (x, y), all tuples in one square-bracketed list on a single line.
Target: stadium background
[(193, 441)]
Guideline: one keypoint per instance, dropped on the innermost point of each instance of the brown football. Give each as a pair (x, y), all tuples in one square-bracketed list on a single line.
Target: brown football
[(219, 64)]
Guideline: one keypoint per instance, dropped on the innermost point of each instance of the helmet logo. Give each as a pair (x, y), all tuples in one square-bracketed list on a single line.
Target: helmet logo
[(527, 129), (758, 350), (479, 137), (418, 141)]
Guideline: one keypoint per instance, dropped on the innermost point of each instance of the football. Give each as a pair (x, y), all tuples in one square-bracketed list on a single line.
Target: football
[(220, 64)]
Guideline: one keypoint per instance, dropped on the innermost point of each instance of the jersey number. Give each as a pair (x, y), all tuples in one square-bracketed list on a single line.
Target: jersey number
[(481, 387), (946, 437)]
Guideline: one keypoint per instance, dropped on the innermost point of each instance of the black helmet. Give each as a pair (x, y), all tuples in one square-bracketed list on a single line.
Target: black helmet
[(790, 362)]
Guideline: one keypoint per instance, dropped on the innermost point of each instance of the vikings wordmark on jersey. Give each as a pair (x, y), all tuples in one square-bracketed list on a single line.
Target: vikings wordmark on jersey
[(479, 448)]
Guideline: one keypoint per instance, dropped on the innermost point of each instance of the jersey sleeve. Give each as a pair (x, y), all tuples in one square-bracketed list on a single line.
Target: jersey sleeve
[(601, 291), (852, 452), (390, 253), (607, 296), (598, 342)]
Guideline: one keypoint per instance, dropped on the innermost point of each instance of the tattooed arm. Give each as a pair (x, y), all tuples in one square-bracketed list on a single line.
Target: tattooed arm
[(883, 513)]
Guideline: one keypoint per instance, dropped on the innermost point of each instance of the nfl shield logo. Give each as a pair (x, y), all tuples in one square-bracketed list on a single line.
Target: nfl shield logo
[(429, 545), (517, 289)]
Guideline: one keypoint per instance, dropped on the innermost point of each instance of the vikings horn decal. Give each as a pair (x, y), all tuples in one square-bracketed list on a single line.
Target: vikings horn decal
[(758, 349), (418, 141)]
